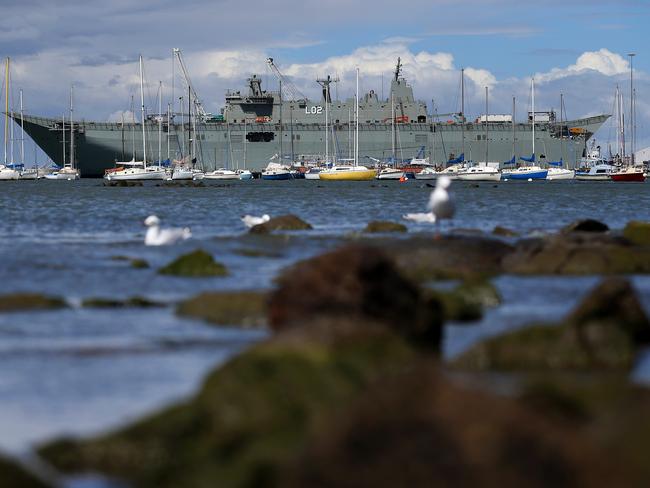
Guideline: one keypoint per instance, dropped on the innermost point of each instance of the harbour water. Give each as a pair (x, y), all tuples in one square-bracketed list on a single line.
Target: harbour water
[(81, 370)]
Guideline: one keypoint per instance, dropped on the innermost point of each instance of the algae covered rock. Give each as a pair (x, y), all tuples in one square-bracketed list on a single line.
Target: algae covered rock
[(13, 475), (29, 301), (240, 308), (251, 416), (604, 332), (382, 226), (355, 281), (283, 222), (197, 264), (134, 302), (637, 232)]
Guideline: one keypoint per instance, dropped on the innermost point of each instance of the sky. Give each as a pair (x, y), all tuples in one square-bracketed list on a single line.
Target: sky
[(577, 48)]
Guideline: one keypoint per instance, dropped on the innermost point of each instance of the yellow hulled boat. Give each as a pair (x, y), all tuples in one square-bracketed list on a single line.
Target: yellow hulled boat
[(348, 173)]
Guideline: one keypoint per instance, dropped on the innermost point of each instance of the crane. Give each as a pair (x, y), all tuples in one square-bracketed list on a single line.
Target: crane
[(197, 103), (289, 90)]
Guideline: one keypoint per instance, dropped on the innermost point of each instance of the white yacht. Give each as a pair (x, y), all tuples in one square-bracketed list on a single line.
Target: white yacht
[(221, 174), (481, 172), (390, 174)]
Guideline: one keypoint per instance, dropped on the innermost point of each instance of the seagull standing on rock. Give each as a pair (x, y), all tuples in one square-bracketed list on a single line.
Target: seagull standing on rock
[(441, 204), (251, 221), (156, 236)]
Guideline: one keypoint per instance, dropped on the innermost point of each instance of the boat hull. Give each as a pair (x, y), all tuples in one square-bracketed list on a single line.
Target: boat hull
[(148, 176), (533, 175), (9, 174), (276, 176), (638, 177), (365, 175), (393, 175), (312, 176), (479, 177), (561, 175)]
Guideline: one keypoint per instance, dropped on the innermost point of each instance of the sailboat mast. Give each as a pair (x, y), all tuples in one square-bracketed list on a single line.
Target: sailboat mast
[(132, 128), (144, 134), (71, 129), (123, 156), (514, 121), (486, 126), (63, 130), (632, 122), (22, 130), (246, 141), (169, 128), (462, 108), (356, 150), (392, 112), (561, 128), (6, 107), (533, 119), (160, 117), (327, 121)]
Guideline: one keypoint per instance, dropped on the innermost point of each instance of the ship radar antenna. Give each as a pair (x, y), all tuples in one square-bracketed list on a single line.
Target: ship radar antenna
[(398, 69)]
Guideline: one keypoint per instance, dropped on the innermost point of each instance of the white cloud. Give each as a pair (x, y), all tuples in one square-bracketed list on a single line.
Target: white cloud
[(602, 61)]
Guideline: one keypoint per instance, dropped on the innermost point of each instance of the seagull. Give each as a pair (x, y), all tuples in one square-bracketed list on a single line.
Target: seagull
[(251, 221), (441, 205), (156, 236)]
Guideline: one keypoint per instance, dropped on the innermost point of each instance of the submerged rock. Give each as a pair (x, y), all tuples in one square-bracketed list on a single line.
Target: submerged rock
[(504, 232), (381, 226), (355, 281), (197, 264), (637, 232), (12, 475), (122, 183), (237, 308), (139, 264), (282, 222), (29, 301), (604, 332)]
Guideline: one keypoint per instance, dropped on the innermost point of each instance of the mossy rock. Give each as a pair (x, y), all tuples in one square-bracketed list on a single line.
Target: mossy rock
[(604, 332), (197, 264), (504, 232), (13, 475), (465, 302), (637, 232), (29, 301), (139, 264), (283, 222), (134, 302), (384, 226), (237, 308), (250, 418)]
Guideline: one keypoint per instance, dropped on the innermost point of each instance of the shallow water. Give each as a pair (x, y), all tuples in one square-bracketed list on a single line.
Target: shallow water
[(81, 371)]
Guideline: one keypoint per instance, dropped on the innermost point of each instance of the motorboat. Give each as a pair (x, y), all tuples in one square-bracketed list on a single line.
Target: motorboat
[(390, 174), (628, 173), (348, 173), (182, 173), (276, 171), (221, 174), (481, 172), (597, 172), (66, 173)]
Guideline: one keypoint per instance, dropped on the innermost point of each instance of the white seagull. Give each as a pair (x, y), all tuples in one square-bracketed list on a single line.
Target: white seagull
[(441, 205), (156, 236), (251, 221)]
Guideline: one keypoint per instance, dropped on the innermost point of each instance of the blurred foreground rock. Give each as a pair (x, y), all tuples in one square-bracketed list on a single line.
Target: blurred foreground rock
[(14, 476), (29, 301), (236, 308), (197, 264)]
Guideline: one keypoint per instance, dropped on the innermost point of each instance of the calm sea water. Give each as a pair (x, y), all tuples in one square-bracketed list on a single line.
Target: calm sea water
[(81, 371)]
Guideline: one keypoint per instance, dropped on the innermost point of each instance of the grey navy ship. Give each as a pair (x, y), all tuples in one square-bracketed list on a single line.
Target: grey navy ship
[(254, 127)]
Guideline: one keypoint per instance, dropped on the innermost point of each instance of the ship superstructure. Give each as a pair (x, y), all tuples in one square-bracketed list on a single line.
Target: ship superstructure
[(256, 125)]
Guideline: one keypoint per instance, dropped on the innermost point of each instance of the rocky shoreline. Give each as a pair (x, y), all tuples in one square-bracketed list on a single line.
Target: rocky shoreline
[(350, 389)]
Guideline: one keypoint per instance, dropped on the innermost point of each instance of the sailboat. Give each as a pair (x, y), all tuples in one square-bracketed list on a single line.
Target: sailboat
[(138, 170), (531, 171), (7, 172), (354, 172), (556, 170), (482, 172), (68, 172), (630, 171)]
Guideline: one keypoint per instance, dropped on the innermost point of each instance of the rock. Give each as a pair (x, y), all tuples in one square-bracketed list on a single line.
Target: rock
[(577, 253), (197, 264), (382, 226), (604, 332), (237, 308), (135, 302), (251, 416), (420, 430), (257, 253), (637, 232), (449, 257), (29, 301), (504, 232), (465, 302), (283, 222), (12, 475), (355, 281), (122, 183), (139, 264), (586, 225)]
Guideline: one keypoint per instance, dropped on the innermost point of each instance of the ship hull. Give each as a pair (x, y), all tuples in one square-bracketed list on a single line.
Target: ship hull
[(98, 145)]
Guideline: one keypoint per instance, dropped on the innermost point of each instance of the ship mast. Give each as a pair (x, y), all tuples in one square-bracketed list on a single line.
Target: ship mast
[(71, 129), (514, 115), (392, 111), (462, 109), (356, 149), (6, 107), (486, 126), (532, 84)]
